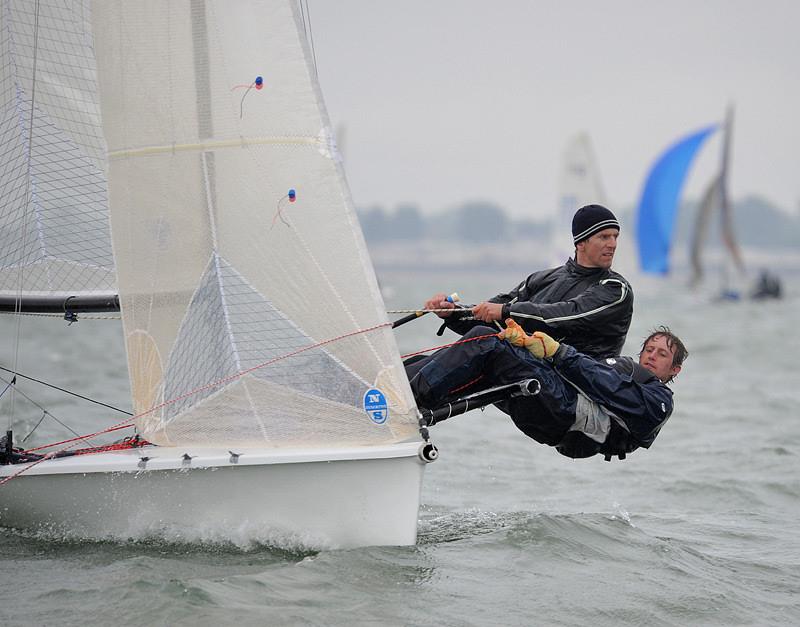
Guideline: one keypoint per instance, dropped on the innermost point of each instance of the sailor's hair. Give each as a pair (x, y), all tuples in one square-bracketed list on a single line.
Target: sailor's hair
[(674, 343)]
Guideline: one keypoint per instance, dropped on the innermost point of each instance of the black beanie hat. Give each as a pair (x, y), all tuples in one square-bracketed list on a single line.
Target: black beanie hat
[(589, 220)]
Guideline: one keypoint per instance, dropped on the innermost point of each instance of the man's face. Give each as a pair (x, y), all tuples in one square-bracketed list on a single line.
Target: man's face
[(598, 250), (657, 358)]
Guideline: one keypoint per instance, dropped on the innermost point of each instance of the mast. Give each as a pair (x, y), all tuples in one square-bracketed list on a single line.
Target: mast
[(716, 196), (726, 215)]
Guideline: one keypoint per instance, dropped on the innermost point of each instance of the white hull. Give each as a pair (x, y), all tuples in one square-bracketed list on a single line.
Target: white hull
[(307, 498)]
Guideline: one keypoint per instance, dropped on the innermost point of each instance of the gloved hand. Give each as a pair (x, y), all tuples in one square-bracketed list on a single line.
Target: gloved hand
[(514, 334), (540, 345)]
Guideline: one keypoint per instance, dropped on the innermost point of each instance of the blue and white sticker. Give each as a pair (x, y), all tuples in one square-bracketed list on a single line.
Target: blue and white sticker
[(376, 407)]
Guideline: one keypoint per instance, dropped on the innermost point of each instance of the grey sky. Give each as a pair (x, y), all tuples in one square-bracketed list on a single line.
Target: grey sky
[(444, 101)]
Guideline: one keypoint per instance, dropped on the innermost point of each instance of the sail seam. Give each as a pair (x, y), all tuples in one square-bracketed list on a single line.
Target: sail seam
[(241, 142)]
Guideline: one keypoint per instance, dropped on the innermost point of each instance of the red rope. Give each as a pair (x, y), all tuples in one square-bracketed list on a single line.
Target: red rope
[(436, 348), (81, 437), (126, 423), (466, 385), (28, 467)]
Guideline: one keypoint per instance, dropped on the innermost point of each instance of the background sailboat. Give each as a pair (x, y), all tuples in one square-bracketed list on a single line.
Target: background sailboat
[(257, 340), (658, 205), (716, 199), (580, 183)]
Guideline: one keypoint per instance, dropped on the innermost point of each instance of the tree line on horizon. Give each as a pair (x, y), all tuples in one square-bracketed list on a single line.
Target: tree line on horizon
[(758, 224)]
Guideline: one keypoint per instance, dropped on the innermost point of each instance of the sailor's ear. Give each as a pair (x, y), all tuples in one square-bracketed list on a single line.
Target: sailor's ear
[(674, 371)]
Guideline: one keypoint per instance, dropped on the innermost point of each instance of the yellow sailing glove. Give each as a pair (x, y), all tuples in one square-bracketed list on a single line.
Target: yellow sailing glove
[(514, 334), (542, 345), (539, 344)]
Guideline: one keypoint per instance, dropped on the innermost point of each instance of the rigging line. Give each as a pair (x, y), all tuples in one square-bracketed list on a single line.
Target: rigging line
[(126, 423), (399, 311), (436, 348), (36, 426), (38, 406), (80, 438), (55, 387), (25, 468), (8, 385), (309, 32), (44, 412), (18, 303)]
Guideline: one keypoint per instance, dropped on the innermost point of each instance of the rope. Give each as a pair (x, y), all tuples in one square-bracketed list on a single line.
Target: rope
[(126, 423), (436, 348), (117, 427), (55, 387), (25, 213), (8, 385), (44, 411), (421, 311), (26, 468), (306, 15)]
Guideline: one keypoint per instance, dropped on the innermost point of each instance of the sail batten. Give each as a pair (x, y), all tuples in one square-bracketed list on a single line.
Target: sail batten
[(241, 142)]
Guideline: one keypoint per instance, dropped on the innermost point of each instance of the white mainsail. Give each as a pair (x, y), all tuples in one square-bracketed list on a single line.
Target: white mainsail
[(54, 236), (257, 340), (579, 184), (218, 273)]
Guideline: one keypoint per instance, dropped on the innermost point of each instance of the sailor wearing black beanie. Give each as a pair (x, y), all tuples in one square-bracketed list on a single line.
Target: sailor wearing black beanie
[(591, 219), (583, 303)]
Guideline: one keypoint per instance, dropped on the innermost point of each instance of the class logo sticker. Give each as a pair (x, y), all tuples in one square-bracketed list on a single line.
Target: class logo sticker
[(376, 407)]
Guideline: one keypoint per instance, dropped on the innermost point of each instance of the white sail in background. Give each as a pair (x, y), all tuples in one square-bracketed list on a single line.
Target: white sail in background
[(715, 199), (710, 201), (579, 184), (219, 273), (54, 234), (726, 211)]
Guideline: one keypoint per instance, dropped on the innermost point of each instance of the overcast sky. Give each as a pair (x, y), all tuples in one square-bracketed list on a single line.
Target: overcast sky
[(445, 101)]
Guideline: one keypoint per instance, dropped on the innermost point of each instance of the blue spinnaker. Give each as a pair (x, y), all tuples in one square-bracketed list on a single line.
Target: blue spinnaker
[(659, 204)]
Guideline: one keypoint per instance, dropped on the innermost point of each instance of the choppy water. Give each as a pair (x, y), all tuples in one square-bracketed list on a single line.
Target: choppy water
[(701, 529)]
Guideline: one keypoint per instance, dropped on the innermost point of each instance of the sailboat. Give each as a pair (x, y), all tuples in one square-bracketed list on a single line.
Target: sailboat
[(658, 205), (579, 184), (658, 210), (175, 161), (716, 198)]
